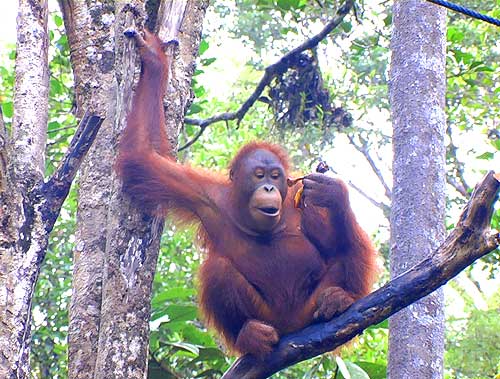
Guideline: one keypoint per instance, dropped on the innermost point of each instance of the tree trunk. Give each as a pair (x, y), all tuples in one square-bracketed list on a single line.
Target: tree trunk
[(92, 58), (23, 239), (117, 246), (417, 95)]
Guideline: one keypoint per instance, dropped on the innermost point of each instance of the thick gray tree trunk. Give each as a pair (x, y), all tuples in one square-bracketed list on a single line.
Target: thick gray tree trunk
[(417, 95), (117, 246)]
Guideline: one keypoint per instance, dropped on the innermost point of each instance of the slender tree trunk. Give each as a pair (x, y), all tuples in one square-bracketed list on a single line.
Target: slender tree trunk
[(23, 239), (417, 94), (92, 44), (117, 246)]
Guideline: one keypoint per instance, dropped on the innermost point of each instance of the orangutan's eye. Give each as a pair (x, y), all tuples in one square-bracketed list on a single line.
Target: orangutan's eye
[(259, 173), (275, 174)]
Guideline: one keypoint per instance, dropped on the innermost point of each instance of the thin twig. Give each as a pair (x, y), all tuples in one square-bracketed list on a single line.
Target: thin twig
[(60, 129), (270, 73), (363, 149), (382, 206)]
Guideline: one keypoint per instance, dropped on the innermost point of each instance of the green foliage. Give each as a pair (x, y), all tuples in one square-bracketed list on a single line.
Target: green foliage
[(473, 351)]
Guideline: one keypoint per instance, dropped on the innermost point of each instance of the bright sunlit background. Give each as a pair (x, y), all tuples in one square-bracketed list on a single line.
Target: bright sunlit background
[(8, 14)]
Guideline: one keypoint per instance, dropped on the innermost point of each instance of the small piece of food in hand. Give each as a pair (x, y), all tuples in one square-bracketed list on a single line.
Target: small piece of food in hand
[(291, 182), (322, 167)]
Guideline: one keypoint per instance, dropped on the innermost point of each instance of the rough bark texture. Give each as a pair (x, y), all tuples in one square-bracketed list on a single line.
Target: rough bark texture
[(23, 238), (417, 95), (90, 29), (133, 239), (117, 246), (470, 240)]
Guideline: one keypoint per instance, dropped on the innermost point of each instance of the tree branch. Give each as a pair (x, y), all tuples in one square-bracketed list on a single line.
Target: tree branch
[(57, 187), (386, 209), (470, 240), (363, 149), (270, 73)]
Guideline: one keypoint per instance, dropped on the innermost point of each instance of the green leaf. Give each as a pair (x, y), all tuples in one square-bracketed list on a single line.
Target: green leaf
[(454, 35), (350, 370), (193, 349), (172, 293), (487, 156), (485, 69), (475, 64), (195, 108), (203, 47), (263, 3), (178, 313), (470, 82), (200, 91), (374, 370), (388, 20), (194, 335), (58, 20), (285, 5), (208, 61), (62, 43), (53, 125), (346, 26), (8, 109), (154, 341), (155, 371), (56, 87), (210, 354)]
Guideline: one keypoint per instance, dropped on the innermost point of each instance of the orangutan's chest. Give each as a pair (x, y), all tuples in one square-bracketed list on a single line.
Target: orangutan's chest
[(283, 270)]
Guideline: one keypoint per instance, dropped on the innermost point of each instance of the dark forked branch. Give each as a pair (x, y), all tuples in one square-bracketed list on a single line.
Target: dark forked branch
[(470, 240), (270, 73), (57, 187)]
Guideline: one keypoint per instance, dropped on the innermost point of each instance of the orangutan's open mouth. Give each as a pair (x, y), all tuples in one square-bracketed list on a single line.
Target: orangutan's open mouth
[(269, 211)]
